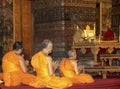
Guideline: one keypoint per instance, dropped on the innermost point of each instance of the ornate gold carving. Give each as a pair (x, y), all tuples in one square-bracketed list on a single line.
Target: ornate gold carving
[(110, 50), (83, 49), (84, 36)]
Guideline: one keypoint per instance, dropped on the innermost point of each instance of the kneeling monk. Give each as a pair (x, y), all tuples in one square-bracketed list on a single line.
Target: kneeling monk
[(69, 69), (14, 67), (43, 65)]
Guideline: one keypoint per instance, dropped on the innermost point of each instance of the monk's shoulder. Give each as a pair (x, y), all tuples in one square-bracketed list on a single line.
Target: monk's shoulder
[(63, 60), (73, 61), (35, 56), (8, 54), (49, 58)]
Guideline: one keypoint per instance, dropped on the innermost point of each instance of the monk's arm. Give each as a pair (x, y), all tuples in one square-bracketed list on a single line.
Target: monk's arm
[(55, 65), (50, 67), (75, 67), (23, 64)]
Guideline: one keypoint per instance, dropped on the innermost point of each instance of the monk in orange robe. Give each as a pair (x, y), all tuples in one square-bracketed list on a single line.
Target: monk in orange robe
[(1, 78), (43, 65), (69, 69), (14, 67)]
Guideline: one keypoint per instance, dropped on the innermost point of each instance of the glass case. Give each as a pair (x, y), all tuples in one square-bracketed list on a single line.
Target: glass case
[(105, 33)]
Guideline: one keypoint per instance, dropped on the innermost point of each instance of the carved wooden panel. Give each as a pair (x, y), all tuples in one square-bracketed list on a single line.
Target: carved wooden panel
[(79, 13), (6, 25), (116, 16), (17, 20), (23, 24), (39, 4), (53, 31), (27, 26), (55, 14)]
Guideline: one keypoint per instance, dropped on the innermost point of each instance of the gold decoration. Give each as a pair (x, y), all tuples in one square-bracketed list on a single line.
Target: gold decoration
[(88, 27), (83, 36)]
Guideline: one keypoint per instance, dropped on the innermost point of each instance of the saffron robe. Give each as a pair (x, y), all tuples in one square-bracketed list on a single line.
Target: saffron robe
[(12, 72), (67, 70), (40, 65), (1, 78)]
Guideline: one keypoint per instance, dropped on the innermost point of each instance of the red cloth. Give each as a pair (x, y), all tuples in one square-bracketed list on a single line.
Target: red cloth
[(99, 83), (109, 34)]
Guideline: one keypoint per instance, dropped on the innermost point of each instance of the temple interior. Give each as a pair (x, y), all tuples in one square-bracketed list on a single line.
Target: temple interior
[(92, 27)]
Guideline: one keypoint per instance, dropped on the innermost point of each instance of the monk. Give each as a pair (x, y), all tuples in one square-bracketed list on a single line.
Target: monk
[(44, 67), (109, 34), (14, 67), (1, 78), (69, 69)]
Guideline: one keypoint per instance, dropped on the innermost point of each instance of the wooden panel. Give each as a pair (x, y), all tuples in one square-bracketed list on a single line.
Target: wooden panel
[(22, 23), (27, 26), (116, 17), (6, 25), (17, 20)]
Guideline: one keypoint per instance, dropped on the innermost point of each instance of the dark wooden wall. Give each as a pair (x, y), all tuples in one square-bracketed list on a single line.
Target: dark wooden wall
[(116, 16), (6, 25), (55, 20)]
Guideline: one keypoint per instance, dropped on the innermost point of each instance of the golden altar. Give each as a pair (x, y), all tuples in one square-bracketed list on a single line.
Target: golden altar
[(95, 47), (100, 68), (86, 38), (103, 70)]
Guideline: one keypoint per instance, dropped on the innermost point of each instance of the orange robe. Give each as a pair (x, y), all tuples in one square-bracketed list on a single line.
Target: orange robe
[(1, 78), (67, 70), (43, 78), (12, 72)]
